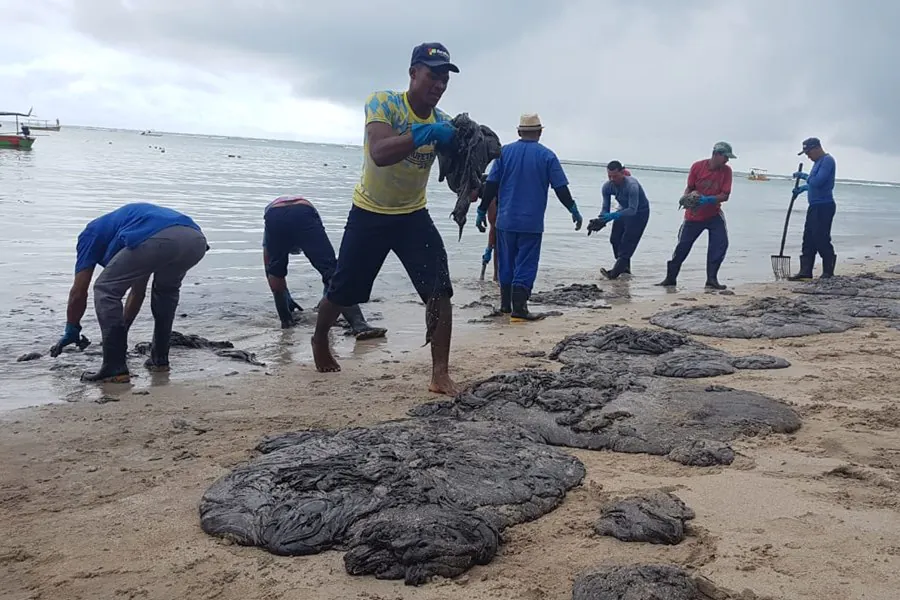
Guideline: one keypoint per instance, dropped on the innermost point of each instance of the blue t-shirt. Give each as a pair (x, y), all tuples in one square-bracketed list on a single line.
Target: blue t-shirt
[(524, 172), (630, 195), (821, 181), (125, 227)]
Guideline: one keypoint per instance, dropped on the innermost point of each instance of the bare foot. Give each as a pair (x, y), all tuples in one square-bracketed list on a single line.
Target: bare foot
[(442, 384), (324, 359)]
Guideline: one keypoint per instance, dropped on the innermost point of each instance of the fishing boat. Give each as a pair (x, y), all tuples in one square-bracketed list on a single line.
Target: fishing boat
[(758, 175), (20, 139), (39, 125), (151, 133)]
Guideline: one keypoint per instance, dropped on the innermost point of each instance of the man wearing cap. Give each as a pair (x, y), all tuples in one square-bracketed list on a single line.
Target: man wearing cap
[(709, 181), (293, 225), (520, 179), (819, 188), (388, 214), (629, 222), (131, 243)]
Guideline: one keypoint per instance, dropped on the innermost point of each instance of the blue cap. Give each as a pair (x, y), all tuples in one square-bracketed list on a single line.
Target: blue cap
[(809, 144), (433, 55)]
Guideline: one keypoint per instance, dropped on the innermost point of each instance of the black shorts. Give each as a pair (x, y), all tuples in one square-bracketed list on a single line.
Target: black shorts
[(297, 228), (369, 236)]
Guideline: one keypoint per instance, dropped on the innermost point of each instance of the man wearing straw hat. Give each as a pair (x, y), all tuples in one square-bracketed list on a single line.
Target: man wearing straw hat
[(521, 176)]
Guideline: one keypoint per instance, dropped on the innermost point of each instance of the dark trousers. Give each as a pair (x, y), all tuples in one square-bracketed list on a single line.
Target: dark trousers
[(715, 252), (518, 255), (817, 234), (626, 234), (297, 228)]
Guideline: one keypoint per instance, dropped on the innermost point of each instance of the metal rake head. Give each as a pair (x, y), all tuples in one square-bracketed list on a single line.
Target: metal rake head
[(781, 266)]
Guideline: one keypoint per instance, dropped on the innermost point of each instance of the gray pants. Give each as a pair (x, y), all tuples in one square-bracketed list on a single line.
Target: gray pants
[(167, 256)]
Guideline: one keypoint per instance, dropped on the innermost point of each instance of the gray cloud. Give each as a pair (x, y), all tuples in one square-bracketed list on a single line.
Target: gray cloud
[(653, 75)]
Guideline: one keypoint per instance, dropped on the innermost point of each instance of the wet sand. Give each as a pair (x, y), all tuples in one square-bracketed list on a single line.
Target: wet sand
[(99, 500)]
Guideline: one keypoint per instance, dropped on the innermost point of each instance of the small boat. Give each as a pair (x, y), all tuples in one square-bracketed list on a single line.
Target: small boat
[(758, 175), (21, 139), (151, 133), (39, 125)]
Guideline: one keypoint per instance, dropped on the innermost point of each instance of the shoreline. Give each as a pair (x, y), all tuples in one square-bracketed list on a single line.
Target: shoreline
[(102, 499)]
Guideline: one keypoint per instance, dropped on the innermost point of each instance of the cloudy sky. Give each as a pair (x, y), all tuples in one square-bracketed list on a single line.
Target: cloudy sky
[(643, 81)]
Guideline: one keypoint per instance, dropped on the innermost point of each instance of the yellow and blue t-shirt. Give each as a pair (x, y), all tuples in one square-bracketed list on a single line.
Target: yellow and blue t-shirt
[(397, 189)]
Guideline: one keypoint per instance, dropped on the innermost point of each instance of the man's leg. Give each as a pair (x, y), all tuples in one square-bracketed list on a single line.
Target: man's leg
[(716, 250), (615, 236), (506, 257), (528, 258), (125, 269), (687, 235), (824, 219), (185, 247), (317, 247), (492, 234), (808, 249), (366, 243), (420, 248)]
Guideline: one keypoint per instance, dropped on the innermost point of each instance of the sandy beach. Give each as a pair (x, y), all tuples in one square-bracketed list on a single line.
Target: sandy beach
[(99, 500)]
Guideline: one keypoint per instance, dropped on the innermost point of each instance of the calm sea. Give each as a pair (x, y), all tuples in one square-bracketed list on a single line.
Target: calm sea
[(49, 194)]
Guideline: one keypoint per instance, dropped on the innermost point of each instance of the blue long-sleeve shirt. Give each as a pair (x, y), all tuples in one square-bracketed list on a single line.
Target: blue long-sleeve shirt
[(821, 181), (630, 195)]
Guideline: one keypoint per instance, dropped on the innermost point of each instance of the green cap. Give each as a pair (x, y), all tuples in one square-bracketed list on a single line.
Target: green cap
[(724, 148)]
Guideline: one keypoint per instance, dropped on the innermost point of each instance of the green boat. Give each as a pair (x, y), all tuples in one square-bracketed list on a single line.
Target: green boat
[(21, 139)]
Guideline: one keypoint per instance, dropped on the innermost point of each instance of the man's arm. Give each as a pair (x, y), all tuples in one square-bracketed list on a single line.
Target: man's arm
[(385, 146), (560, 183), (78, 296), (607, 198), (135, 300), (691, 182), (726, 188), (824, 175), (491, 185)]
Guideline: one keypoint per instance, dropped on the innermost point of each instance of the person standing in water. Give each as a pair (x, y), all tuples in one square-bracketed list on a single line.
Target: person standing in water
[(522, 176), (629, 222), (293, 225), (710, 181), (131, 243), (389, 214), (819, 188)]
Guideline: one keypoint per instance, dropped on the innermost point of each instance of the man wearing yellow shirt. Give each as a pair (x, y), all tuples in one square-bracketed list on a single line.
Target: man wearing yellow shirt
[(389, 214)]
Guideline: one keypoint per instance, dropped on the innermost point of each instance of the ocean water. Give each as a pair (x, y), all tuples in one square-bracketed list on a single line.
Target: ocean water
[(47, 195)]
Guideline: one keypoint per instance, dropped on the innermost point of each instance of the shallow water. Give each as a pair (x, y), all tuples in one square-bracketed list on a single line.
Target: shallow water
[(49, 194)]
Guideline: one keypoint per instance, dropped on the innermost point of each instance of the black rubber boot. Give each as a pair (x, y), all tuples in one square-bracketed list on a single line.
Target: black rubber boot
[(159, 348), (806, 269), (520, 311), (114, 368), (358, 325), (283, 306), (828, 265), (622, 266), (671, 279), (713, 284), (505, 299)]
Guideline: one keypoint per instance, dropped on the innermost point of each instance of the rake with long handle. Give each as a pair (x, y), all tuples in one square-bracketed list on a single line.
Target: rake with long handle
[(781, 264)]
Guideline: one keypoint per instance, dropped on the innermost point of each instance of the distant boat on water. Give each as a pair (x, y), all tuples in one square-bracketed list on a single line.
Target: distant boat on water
[(21, 139), (151, 133), (758, 175), (42, 125)]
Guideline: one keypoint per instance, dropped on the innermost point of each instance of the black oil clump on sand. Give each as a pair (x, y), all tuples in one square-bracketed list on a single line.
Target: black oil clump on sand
[(463, 162), (767, 317), (650, 582), (588, 406), (406, 499), (655, 517), (650, 352), (582, 295), (225, 349)]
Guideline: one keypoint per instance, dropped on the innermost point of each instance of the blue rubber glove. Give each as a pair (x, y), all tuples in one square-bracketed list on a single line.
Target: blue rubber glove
[(481, 220), (707, 200), (576, 216), (801, 189), (486, 257), (432, 133), (607, 217), (801, 175), (71, 335)]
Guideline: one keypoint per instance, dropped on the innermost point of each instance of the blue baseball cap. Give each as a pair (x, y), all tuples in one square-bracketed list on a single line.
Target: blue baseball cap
[(809, 144), (433, 55)]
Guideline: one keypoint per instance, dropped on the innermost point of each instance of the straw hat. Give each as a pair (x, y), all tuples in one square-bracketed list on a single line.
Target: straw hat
[(530, 122)]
